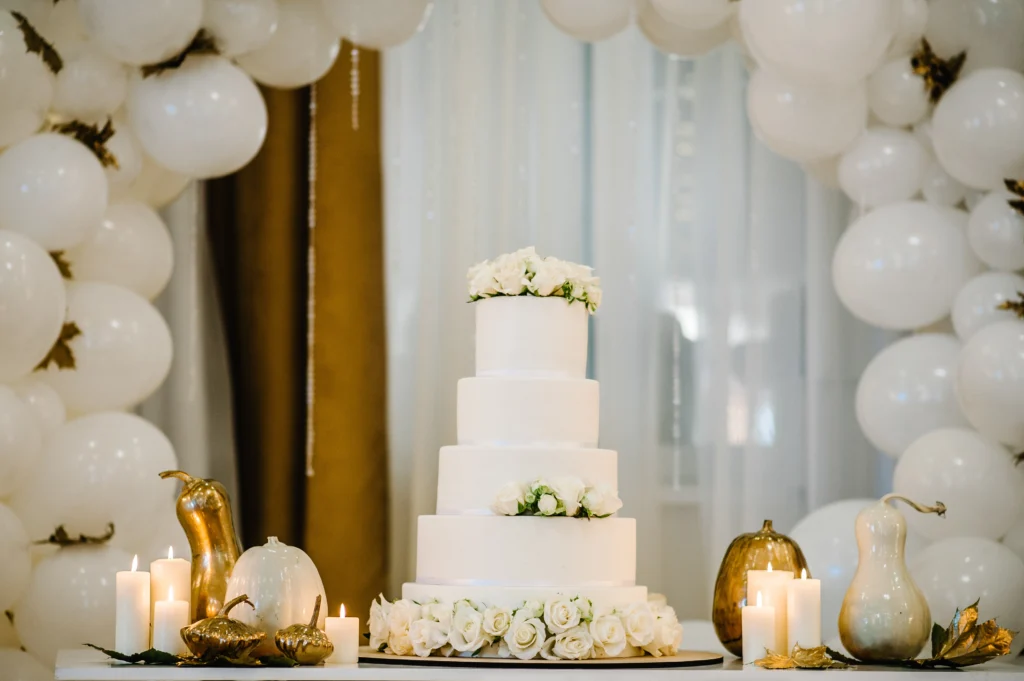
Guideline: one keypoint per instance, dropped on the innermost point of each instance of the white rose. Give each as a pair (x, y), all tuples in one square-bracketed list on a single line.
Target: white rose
[(561, 614), (379, 612), (527, 254), (668, 635), (467, 633), (609, 635), (403, 614), (547, 505), (481, 280), (601, 501), (586, 608), (575, 644), (497, 621), (439, 612), (548, 278), (510, 274), (525, 637), (530, 609), (426, 636), (510, 499), (569, 491), (638, 621)]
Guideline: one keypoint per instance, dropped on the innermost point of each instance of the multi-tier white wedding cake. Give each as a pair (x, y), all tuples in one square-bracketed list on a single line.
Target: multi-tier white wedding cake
[(525, 557)]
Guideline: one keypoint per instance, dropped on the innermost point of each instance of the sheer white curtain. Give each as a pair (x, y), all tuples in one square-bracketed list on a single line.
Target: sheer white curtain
[(727, 365)]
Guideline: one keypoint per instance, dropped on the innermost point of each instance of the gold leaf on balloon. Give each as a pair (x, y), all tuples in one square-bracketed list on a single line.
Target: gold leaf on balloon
[(60, 537), (61, 353), (1015, 187), (62, 264), (801, 658), (92, 136), (1015, 306), (938, 74), (202, 43), (38, 44)]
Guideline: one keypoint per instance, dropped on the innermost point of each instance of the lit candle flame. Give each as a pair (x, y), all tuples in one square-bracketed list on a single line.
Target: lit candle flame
[(803, 573), (759, 599), (769, 566), (135, 563), (170, 593), (170, 553), (341, 613)]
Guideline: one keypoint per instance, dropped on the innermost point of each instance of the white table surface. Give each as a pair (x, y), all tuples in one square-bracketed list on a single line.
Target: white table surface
[(91, 665)]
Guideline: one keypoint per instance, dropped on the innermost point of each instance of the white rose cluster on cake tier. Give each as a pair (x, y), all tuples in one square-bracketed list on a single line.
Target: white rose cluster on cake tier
[(525, 557)]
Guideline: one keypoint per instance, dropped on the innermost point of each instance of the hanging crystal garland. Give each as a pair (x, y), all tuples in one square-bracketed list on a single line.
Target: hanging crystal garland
[(353, 78), (311, 286)]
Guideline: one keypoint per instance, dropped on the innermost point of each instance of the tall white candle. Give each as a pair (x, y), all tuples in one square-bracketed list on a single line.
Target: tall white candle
[(758, 630), (131, 627), (344, 634), (169, 618), (772, 585), (167, 574), (803, 611)]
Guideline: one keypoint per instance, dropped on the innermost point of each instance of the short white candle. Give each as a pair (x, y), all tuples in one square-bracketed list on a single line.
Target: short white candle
[(169, 618), (166, 574), (772, 585), (131, 624), (758, 630), (803, 611), (344, 634)]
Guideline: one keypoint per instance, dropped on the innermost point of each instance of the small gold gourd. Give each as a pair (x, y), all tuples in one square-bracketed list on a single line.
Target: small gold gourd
[(221, 636), (305, 643)]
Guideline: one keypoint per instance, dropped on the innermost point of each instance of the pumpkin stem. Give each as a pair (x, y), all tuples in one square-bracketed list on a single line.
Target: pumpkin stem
[(244, 598), (180, 475), (767, 527), (939, 507), (316, 612)]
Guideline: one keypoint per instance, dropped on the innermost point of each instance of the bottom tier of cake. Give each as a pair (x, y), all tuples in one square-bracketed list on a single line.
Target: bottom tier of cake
[(514, 596)]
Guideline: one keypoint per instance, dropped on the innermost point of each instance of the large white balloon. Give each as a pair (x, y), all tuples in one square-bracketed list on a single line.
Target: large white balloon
[(204, 119), (1014, 539), (301, 51), (589, 20), (38, 12), (897, 95), (379, 24), (988, 30), (52, 189), (939, 187), (16, 566), (976, 306), (908, 390), (26, 85), (900, 266), (240, 26), (132, 248), (978, 128), (91, 85), (43, 400), (32, 299), (98, 469), (21, 437), (801, 122), (695, 14), (825, 43), (141, 32), (826, 537), (884, 165), (157, 186), (165, 532), (63, 27), (990, 382), (972, 475), (70, 599), (996, 232), (17, 665), (953, 573), (122, 355), (910, 26), (681, 40)]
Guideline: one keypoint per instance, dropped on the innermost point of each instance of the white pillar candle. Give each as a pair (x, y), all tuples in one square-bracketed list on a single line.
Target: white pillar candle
[(772, 585), (803, 611), (344, 634), (167, 574), (131, 624), (169, 618), (758, 630)]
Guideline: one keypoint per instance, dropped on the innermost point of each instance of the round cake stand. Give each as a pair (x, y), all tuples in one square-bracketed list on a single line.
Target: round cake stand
[(684, 658)]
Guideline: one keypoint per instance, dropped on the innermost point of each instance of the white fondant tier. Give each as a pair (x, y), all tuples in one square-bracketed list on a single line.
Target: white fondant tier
[(466, 550), (469, 477), (514, 596), (552, 412), (530, 336)]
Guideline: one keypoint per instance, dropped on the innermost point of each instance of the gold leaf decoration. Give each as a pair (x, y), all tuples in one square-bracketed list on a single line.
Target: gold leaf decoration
[(202, 43), (1015, 306), (1015, 187), (801, 658), (92, 136), (775, 661), (62, 264), (38, 44), (61, 353), (938, 74), (60, 537)]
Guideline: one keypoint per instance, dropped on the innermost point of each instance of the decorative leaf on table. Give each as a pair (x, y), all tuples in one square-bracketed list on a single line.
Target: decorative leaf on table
[(968, 643), (775, 661), (61, 353), (938, 638), (38, 44), (151, 656), (802, 658)]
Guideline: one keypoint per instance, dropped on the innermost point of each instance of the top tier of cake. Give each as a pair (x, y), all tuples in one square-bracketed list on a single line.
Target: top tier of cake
[(527, 336)]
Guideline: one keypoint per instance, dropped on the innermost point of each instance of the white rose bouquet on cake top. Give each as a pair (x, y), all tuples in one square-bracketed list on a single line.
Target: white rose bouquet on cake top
[(524, 273), (563, 496)]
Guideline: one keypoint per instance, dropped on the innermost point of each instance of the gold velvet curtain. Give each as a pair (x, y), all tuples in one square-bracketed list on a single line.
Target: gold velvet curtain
[(259, 228)]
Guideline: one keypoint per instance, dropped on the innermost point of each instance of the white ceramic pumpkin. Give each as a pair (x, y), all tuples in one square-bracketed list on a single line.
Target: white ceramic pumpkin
[(282, 582)]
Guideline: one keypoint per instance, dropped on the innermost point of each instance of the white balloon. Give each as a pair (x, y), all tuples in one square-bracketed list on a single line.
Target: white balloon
[(897, 95), (1014, 539), (43, 400), (996, 231), (204, 119), (302, 50), (833, 43), (157, 186), (825, 171), (9, 637), (128, 152), (378, 24), (908, 390), (953, 573), (26, 86), (16, 566), (37, 12), (132, 248), (64, 28), (940, 188), (803, 123), (91, 85), (884, 165), (978, 128), (923, 132), (990, 382), (17, 665), (21, 438), (588, 20), (165, 531), (240, 26), (672, 38), (141, 32), (122, 355), (695, 14), (70, 599), (910, 26), (98, 469), (988, 30), (32, 298), (972, 198), (901, 265), (976, 306), (972, 475), (52, 189), (826, 537)]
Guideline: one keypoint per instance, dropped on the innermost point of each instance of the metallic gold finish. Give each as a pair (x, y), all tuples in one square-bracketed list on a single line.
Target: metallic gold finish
[(305, 643), (221, 636), (967, 643), (802, 658), (204, 512), (749, 552)]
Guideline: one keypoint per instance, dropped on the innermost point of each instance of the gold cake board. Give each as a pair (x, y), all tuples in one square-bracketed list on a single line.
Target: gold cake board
[(684, 658)]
